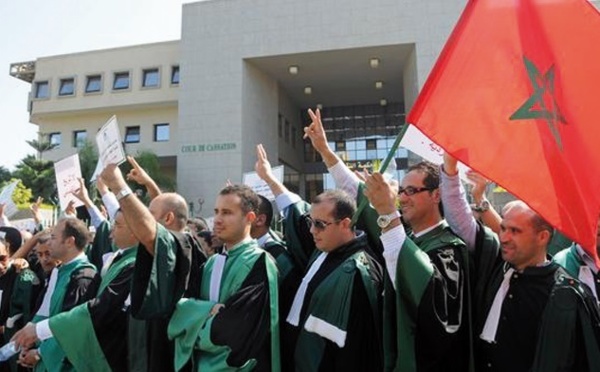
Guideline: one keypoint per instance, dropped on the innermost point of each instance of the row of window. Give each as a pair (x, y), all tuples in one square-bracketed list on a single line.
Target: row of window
[(93, 83), (132, 135)]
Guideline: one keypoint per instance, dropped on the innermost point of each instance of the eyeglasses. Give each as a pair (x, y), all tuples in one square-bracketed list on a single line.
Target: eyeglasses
[(411, 190), (319, 224)]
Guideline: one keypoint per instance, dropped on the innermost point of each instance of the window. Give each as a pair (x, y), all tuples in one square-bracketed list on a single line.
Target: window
[(54, 139), (41, 89), (175, 75), (79, 137), (151, 78), (371, 144), (93, 84), (161, 132), (287, 131), (121, 81), (340, 145), (280, 125), (67, 87), (132, 134)]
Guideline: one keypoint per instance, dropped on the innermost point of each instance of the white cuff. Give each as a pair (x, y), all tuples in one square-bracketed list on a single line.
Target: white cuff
[(392, 240), (111, 203), (42, 330), (286, 199), (344, 178)]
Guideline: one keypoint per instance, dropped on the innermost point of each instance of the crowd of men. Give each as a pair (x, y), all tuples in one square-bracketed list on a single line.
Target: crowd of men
[(417, 281)]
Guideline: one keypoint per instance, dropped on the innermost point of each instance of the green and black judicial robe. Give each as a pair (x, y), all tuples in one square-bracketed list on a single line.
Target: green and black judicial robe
[(244, 335), (296, 232), (572, 261), (289, 273), (94, 335), (18, 292), (101, 245), (548, 320), (187, 264), (73, 284), (338, 327), (426, 316)]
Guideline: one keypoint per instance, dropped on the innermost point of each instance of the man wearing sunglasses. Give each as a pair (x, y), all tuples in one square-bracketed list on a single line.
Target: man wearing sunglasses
[(427, 312), (334, 321)]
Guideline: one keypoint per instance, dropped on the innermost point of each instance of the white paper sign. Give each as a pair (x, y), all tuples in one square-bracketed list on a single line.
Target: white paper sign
[(10, 208), (417, 142), (259, 186), (68, 172), (110, 148)]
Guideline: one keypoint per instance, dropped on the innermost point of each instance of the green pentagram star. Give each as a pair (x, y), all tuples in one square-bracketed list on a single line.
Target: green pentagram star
[(535, 107)]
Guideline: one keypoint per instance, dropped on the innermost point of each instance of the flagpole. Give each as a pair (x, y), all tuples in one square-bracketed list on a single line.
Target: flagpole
[(390, 156)]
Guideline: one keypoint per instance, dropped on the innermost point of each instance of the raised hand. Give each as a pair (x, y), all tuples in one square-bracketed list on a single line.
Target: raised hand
[(262, 166), (479, 185), (315, 131), (35, 209), (82, 193), (113, 178), (381, 193), (137, 173)]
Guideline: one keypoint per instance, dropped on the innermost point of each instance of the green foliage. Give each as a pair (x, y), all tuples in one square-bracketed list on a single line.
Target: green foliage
[(150, 163), (5, 176), (38, 175), (88, 159), (22, 194)]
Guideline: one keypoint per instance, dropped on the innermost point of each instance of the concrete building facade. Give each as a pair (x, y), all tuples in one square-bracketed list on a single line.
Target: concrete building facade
[(249, 71)]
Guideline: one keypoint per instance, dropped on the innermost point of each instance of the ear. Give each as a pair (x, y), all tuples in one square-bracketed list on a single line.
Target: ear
[(435, 194), (169, 218), (544, 237), (346, 223), (251, 217)]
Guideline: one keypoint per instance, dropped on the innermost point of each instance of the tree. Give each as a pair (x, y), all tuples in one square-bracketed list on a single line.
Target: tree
[(22, 195), (38, 175), (41, 145), (5, 176), (149, 161)]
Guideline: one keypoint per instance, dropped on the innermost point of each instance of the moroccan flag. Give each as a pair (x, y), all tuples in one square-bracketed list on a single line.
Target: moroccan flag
[(515, 94)]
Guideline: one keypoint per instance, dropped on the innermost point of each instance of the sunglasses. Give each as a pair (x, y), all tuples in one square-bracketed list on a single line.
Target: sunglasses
[(410, 190), (319, 224)]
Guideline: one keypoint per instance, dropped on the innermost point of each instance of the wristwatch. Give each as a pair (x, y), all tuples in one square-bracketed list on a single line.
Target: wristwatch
[(123, 193), (384, 220), (484, 206)]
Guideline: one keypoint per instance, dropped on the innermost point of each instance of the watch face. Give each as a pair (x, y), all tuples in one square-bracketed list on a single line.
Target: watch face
[(383, 221)]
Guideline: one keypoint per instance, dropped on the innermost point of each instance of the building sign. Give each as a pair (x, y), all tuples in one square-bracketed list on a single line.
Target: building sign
[(208, 147)]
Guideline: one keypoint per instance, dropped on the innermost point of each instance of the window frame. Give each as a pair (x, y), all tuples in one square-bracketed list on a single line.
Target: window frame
[(155, 132), (173, 69), (53, 135), (75, 142), (149, 70), (139, 134), (100, 84), (129, 81), (36, 93), (62, 81)]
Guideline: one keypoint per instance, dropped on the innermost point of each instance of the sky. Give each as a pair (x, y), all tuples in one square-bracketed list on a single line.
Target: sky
[(30, 29)]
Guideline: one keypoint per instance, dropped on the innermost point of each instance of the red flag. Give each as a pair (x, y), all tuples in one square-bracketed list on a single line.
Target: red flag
[(515, 94)]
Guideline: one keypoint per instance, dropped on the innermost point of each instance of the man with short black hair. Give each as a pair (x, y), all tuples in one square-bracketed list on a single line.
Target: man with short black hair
[(72, 283), (427, 301), (334, 322), (233, 323), (530, 314)]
